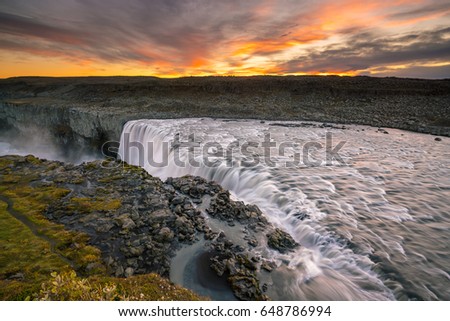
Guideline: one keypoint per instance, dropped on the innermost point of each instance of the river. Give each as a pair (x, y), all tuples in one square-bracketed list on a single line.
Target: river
[(370, 207)]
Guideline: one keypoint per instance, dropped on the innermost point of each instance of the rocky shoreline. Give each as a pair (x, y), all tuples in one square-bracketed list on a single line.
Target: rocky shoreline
[(83, 113), (139, 222)]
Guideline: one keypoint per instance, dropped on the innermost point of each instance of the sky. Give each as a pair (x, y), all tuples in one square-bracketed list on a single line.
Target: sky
[(173, 38)]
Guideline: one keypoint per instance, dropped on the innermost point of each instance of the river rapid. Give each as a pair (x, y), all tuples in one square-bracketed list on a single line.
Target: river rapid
[(370, 207)]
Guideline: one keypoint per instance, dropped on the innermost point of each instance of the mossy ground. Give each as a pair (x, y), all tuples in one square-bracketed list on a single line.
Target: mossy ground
[(90, 204), (25, 259), (34, 248), (32, 202), (149, 287)]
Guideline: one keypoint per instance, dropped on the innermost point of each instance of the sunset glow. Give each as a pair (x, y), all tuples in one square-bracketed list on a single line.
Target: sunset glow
[(198, 38)]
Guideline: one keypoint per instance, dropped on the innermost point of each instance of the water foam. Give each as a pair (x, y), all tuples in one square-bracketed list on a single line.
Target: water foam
[(337, 213)]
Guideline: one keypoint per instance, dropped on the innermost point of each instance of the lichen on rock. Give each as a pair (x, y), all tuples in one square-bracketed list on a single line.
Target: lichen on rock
[(281, 241)]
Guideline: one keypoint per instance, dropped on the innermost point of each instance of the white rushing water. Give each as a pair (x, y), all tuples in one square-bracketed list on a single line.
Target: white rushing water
[(376, 227)]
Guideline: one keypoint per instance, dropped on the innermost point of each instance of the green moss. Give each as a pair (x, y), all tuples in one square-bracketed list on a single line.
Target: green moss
[(4, 162), (25, 259), (31, 252), (78, 180), (33, 160), (23, 252), (102, 191), (53, 166), (109, 179), (72, 180), (133, 168), (91, 166), (94, 204), (150, 287), (8, 178), (153, 287), (32, 202)]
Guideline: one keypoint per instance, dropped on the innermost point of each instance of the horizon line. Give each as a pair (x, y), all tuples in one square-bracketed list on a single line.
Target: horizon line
[(324, 75)]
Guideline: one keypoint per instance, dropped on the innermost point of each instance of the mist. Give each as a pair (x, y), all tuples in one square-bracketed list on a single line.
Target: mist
[(42, 144)]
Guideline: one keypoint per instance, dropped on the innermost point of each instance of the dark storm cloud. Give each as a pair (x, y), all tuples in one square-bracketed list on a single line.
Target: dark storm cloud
[(117, 30), (19, 25), (366, 50), (432, 8)]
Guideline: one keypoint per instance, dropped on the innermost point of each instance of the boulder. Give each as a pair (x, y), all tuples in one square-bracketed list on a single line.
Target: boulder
[(281, 241)]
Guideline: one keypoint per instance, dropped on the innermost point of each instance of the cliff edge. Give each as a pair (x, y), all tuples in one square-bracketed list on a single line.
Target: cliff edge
[(89, 111)]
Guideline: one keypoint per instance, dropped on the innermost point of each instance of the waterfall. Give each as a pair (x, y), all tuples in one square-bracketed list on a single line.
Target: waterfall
[(324, 268)]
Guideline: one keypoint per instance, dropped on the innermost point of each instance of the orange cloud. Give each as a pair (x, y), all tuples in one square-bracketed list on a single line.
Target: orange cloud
[(265, 47), (325, 21), (246, 38), (199, 62)]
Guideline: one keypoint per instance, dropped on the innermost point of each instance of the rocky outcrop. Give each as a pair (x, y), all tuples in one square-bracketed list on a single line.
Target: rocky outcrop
[(281, 241), (227, 258), (139, 222)]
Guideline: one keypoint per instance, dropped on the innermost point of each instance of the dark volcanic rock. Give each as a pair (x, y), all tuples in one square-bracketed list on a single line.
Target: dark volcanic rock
[(281, 241), (246, 287), (238, 267), (229, 259), (220, 204), (126, 212), (138, 222)]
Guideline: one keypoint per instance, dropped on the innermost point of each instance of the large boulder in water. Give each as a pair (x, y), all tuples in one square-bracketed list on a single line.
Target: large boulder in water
[(281, 241)]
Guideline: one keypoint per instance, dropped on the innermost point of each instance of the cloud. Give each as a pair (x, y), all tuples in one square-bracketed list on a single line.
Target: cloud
[(366, 50), (176, 30), (18, 25), (437, 72), (205, 36), (434, 7)]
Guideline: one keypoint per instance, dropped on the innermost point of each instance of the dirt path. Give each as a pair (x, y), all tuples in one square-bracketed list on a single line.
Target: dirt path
[(34, 228)]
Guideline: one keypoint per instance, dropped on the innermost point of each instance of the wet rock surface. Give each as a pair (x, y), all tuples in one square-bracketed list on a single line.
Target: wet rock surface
[(139, 222), (227, 258), (281, 241)]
